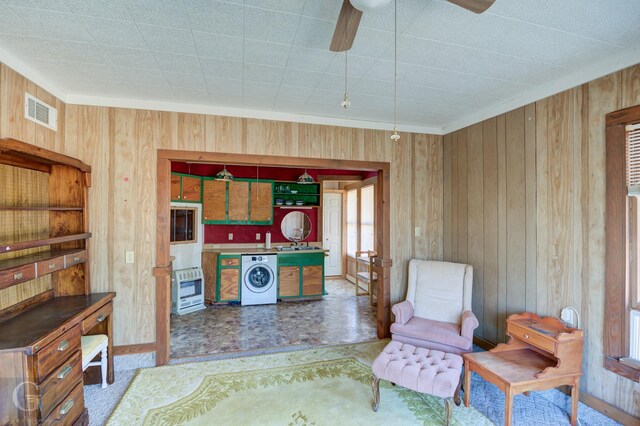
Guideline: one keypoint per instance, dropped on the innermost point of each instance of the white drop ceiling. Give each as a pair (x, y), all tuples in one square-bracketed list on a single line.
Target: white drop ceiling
[(271, 58)]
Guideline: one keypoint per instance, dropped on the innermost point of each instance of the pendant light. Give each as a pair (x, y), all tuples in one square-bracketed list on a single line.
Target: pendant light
[(395, 136), (305, 178), (223, 175), (345, 101)]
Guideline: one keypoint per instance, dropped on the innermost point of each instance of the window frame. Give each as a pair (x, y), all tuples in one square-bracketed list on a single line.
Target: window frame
[(618, 245), (195, 225)]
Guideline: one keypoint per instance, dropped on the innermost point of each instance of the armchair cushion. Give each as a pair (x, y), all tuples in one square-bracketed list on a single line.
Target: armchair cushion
[(403, 311), (423, 329), (469, 323)]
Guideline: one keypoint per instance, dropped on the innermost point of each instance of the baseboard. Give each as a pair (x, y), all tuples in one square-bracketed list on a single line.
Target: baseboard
[(134, 349), (484, 344)]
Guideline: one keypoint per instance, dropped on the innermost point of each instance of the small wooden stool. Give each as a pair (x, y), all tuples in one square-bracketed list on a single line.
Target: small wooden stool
[(91, 346)]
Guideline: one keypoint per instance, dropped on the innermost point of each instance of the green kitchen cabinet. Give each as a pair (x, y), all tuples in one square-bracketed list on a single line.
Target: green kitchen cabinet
[(300, 275), (186, 188), (238, 202), (228, 278)]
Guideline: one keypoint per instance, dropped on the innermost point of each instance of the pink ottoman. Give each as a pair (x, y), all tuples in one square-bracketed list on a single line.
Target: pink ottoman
[(422, 370)]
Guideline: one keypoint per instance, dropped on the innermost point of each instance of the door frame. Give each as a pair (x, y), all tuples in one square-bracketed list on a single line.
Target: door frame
[(162, 270), (343, 225)]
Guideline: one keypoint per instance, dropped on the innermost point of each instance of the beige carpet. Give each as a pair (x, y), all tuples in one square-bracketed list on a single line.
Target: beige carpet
[(325, 386)]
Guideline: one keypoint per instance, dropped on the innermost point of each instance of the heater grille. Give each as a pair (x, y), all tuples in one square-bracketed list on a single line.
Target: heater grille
[(39, 112)]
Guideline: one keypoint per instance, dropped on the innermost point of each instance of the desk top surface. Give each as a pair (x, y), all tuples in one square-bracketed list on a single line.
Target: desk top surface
[(36, 322)]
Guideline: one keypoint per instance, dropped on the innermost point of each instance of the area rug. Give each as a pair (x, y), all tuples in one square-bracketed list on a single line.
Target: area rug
[(324, 386)]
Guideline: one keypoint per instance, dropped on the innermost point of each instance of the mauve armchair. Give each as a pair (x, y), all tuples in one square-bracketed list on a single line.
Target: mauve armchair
[(437, 311)]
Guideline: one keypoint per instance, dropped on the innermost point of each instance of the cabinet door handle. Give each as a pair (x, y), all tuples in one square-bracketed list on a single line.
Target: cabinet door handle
[(52, 266), (76, 259), (18, 275), (100, 318), (64, 372), (66, 407), (526, 336), (63, 346)]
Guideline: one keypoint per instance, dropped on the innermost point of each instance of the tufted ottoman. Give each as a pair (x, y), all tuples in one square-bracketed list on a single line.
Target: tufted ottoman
[(419, 369)]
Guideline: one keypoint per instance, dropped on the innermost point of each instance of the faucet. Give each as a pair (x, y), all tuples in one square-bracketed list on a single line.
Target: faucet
[(302, 243), (294, 243)]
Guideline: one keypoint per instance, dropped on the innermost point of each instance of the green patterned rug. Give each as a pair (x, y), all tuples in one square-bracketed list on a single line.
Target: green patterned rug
[(325, 386)]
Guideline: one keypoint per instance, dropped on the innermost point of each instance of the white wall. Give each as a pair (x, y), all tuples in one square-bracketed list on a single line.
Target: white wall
[(189, 255)]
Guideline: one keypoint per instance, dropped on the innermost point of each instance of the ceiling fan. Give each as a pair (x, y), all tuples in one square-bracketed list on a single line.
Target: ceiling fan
[(351, 12)]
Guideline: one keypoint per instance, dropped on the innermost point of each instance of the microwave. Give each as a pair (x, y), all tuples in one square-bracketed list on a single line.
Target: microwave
[(187, 291)]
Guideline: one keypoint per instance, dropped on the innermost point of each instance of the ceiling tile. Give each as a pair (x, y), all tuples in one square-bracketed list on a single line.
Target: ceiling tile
[(301, 78), (331, 81), (218, 46), (215, 17), (289, 106), (186, 81), (103, 72), (294, 94), (221, 69), (110, 32), (112, 9), (265, 53), (357, 65), (80, 52), (289, 6), (191, 96), (223, 86), (327, 10), (302, 58), (256, 102), (134, 58), (178, 63), (11, 23), (326, 96), (253, 88), (55, 69), (263, 73), (314, 33), (380, 88), (166, 39), (52, 24), (268, 25), (167, 13), (224, 100), (28, 46), (371, 43), (382, 19), (145, 77), (54, 5)]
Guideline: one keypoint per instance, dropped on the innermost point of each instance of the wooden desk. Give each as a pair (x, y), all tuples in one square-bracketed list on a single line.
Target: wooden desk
[(541, 354), (41, 359)]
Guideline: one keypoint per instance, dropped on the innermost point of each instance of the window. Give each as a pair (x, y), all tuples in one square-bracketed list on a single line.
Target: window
[(183, 225), (622, 241), (352, 222), (366, 218)]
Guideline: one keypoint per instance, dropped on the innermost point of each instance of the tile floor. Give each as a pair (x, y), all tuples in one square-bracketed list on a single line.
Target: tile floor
[(338, 317)]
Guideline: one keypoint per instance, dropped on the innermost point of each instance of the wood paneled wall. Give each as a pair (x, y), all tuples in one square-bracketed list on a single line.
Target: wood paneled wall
[(120, 145), (524, 203)]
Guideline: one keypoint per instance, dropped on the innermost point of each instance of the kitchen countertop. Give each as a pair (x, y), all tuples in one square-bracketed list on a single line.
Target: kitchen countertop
[(248, 250)]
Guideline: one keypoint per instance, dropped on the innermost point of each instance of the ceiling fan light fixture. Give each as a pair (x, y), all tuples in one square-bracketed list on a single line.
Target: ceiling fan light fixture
[(305, 178), (395, 136), (367, 5), (346, 103), (223, 175)]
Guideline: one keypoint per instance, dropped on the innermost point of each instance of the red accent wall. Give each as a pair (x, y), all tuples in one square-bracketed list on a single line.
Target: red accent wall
[(218, 234)]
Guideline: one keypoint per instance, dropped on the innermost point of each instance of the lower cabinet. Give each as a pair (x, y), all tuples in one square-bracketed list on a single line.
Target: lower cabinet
[(222, 275), (300, 275)]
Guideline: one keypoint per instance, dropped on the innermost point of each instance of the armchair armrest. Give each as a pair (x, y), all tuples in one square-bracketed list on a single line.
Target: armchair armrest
[(403, 311), (469, 323)]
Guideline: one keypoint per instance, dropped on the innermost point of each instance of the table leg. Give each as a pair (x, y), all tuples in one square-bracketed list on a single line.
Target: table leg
[(467, 383), (508, 402), (575, 396)]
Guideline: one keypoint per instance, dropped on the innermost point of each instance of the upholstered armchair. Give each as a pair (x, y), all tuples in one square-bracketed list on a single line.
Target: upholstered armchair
[(437, 311)]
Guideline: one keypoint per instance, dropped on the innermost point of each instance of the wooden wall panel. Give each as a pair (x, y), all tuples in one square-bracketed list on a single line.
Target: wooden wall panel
[(475, 218), (544, 214)]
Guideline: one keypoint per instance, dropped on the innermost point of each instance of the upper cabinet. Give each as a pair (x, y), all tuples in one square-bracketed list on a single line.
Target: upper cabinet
[(186, 188), (296, 194), (239, 202)]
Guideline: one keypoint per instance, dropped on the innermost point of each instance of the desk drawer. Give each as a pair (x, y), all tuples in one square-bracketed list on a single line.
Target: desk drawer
[(97, 317), (17, 275), (68, 410), (51, 265), (59, 383), (530, 337), (230, 261), (75, 258), (55, 353)]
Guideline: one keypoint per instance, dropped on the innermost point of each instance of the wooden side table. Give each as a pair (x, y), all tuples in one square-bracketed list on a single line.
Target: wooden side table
[(541, 354)]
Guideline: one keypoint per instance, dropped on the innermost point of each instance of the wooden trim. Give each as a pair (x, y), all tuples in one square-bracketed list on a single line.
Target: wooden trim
[(340, 178), (61, 209), (12, 148), (163, 289), (623, 116), (18, 308), (625, 370), (45, 242), (140, 348)]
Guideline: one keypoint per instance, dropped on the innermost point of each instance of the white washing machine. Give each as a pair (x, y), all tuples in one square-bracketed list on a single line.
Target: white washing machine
[(259, 279)]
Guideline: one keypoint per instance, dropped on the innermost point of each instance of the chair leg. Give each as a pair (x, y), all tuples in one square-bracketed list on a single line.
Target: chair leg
[(375, 387), (103, 367), (456, 395), (448, 407)]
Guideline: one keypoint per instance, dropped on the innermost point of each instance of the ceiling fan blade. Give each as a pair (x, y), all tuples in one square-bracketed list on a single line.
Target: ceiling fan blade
[(346, 28), (476, 6)]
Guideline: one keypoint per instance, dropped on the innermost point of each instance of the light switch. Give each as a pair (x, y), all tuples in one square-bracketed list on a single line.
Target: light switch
[(417, 231), (258, 236), (230, 236), (129, 257)]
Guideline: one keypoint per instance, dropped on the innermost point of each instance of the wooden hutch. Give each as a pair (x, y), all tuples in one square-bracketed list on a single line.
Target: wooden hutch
[(45, 300)]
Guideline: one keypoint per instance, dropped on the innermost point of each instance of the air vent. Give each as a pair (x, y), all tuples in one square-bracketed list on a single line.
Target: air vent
[(41, 113)]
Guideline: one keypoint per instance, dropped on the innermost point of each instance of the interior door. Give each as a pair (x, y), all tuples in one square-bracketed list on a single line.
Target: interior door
[(332, 231)]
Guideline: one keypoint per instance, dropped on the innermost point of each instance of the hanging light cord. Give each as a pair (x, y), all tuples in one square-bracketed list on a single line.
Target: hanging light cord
[(345, 72), (395, 64)]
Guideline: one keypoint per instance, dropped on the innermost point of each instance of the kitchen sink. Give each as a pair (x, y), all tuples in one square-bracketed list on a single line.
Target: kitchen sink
[(303, 248)]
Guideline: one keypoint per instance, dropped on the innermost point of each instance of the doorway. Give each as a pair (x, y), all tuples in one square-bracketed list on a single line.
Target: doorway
[(162, 271), (332, 232)]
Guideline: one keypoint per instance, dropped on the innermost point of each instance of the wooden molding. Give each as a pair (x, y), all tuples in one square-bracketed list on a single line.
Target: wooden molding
[(15, 149), (139, 348), (605, 408), (341, 178), (624, 116), (625, 370)]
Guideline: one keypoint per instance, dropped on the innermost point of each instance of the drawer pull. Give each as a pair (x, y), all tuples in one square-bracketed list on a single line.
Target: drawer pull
[(76, 259), (52, 266), (66, 407), (63, 346), (100, 318), (18, 275), (526, 336), (64, 372)]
